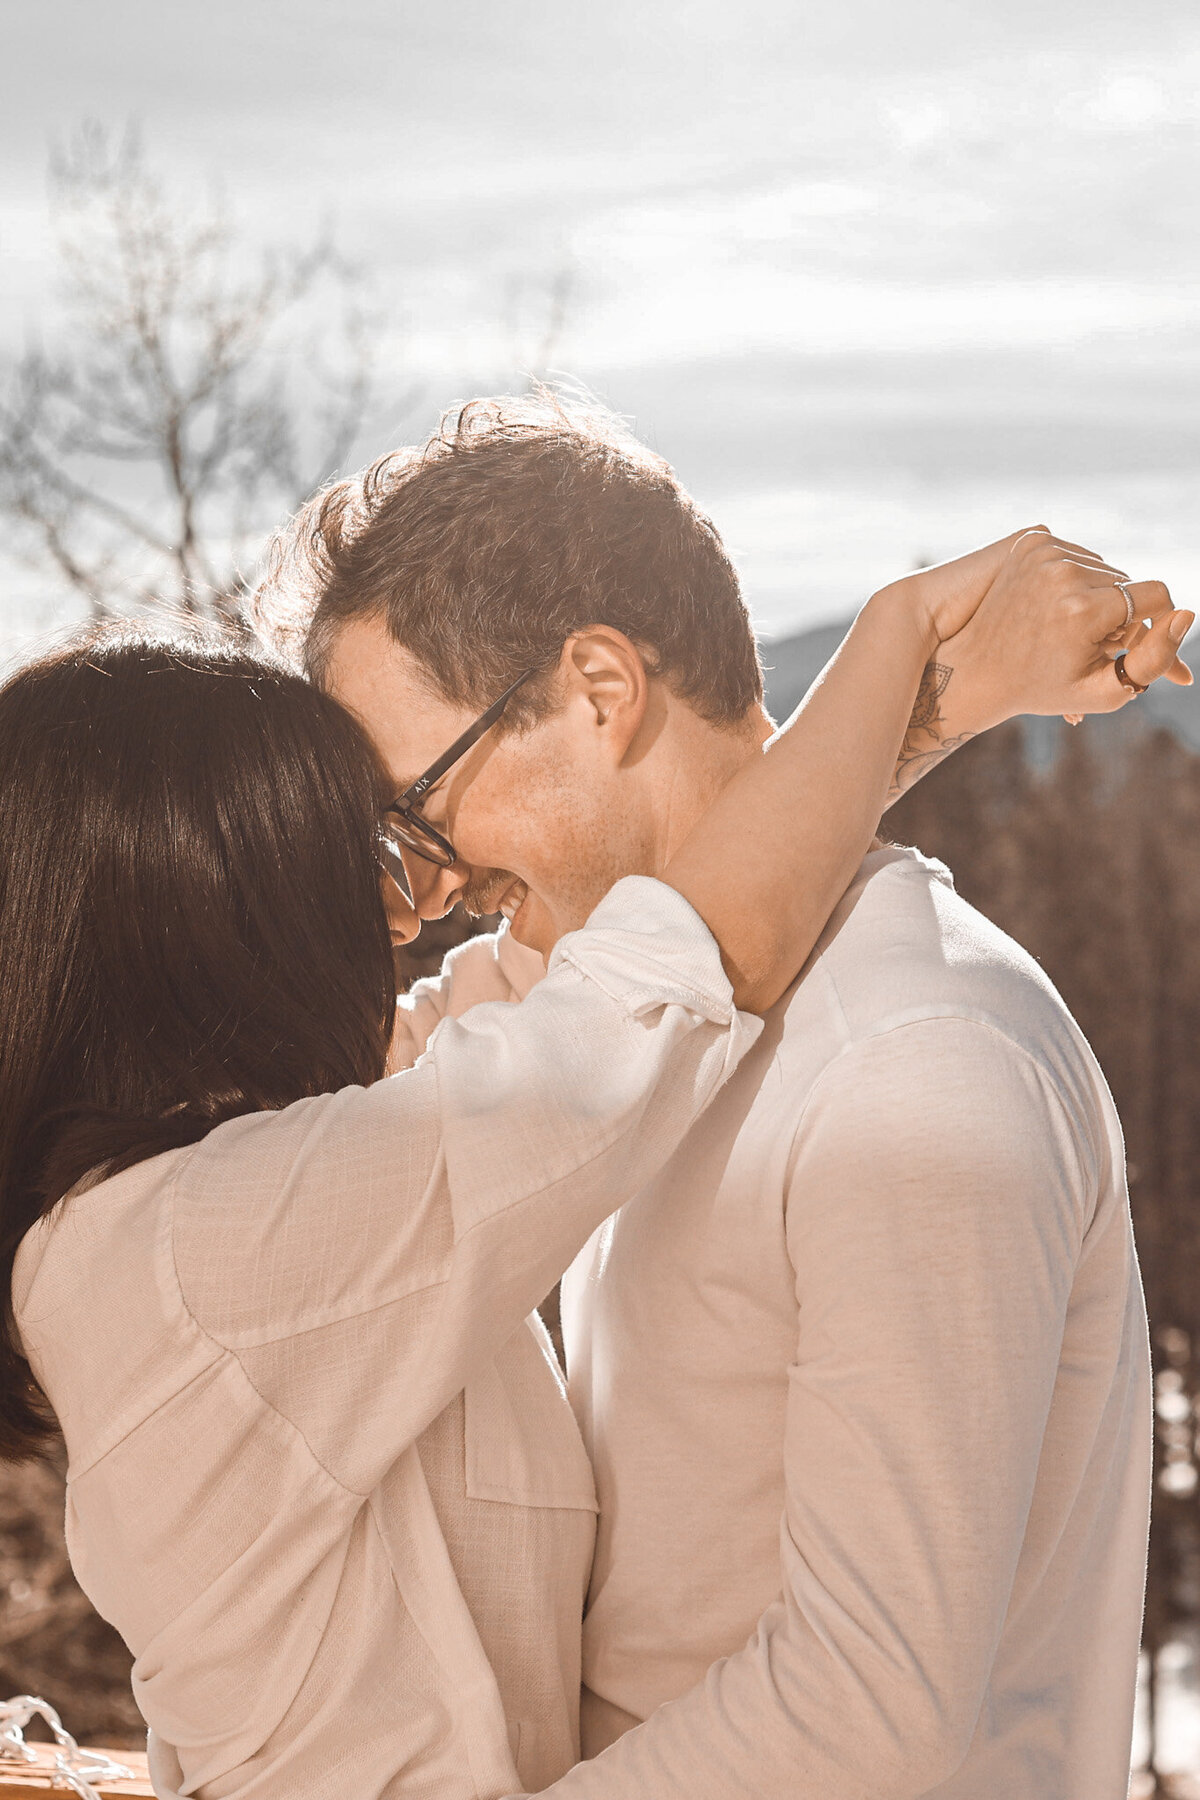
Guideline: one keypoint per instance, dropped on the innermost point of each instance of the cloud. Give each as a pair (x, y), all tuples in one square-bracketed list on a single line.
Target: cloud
[(821, 249)]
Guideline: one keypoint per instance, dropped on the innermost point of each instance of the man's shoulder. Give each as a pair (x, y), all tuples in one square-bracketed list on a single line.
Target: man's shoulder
[(903, 946)]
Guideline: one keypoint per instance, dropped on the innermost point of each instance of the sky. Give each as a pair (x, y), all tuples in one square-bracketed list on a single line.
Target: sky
[(882, 280)]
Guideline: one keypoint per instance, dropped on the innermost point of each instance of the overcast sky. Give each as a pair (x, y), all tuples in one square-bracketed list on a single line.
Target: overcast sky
[(881, 279)]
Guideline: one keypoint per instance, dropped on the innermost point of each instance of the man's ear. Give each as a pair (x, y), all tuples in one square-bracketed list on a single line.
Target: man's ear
[(603, 671)]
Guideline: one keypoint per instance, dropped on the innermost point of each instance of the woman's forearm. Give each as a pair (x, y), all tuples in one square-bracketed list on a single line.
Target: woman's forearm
[(770, 858), (939, 724)]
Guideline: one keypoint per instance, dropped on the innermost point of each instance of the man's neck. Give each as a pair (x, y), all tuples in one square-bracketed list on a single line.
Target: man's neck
[(697, 758)]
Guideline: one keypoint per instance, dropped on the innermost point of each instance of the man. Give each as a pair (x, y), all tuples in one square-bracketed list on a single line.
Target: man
[(864, 1374)]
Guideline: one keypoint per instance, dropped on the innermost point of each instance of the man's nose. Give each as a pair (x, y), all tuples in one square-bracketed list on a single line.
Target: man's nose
[(433, 888), (403, 923)]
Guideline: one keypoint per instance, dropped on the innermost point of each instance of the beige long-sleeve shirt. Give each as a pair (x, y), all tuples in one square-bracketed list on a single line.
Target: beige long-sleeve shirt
[(864, 1374), (323, 1478)]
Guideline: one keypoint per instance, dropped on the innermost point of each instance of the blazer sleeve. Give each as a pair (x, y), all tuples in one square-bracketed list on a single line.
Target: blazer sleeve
[(363, 1253)]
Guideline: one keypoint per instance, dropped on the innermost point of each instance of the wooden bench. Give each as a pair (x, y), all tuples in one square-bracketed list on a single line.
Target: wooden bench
[(33, 1781)]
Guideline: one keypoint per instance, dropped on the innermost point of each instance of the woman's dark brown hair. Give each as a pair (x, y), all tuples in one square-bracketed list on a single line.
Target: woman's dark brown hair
[(190, 919)]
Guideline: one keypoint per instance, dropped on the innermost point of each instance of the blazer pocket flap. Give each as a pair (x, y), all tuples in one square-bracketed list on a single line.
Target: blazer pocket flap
[(522, 1443)]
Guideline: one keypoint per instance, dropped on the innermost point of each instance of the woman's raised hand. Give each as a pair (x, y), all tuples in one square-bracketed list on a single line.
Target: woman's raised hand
[(1042, 638), (1045, 637), (947, 595), (1063, 607)]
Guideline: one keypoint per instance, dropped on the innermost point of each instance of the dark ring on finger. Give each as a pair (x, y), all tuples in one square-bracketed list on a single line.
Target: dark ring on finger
[(1126, 679)]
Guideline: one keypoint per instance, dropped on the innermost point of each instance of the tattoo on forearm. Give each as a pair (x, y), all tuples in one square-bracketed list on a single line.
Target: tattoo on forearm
[(925, 742), (926, 711)]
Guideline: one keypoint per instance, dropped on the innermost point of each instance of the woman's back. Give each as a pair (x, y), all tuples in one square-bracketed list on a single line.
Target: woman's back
[(309, 1434)]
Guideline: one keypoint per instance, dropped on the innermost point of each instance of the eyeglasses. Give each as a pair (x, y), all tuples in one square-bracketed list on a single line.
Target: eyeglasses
[(403, 826)]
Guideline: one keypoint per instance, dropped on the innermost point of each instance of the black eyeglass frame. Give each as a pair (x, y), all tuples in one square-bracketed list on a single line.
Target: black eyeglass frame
[(440, 850)]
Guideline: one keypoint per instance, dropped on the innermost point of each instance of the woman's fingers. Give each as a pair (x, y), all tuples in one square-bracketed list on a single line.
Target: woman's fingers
[(1086, 559), (1149, 599), (1098, 574), (1093, 590), (953, 591), (1037, 537), (1066, 544), (1156, 654), (1153, 655)]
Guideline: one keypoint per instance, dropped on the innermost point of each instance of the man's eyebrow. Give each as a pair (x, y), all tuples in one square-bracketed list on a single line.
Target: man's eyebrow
[(390, 787)]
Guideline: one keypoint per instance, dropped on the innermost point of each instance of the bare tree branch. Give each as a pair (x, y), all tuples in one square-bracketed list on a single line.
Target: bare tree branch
[(549, 299), (198, 388)]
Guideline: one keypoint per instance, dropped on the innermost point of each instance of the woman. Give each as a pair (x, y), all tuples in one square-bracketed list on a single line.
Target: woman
[(277, 1302)]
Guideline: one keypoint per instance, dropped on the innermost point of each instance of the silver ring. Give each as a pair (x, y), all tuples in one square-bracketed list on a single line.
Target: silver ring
[(1130, 608)]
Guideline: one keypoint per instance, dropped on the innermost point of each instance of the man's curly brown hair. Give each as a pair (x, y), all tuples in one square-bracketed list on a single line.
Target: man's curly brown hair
[(519, 522)]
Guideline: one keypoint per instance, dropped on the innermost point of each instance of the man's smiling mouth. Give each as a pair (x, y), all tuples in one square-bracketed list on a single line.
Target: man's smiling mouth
[(512, 900), (500, 891)]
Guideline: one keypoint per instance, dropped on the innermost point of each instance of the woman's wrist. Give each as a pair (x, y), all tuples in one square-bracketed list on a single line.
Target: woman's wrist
[(908, 605), (942, 721)]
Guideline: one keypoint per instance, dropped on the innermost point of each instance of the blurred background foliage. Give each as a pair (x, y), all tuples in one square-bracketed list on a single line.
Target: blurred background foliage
[(1094, 866)]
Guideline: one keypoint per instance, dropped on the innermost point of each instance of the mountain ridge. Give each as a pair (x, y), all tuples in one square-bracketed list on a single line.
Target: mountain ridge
[(791, 664)]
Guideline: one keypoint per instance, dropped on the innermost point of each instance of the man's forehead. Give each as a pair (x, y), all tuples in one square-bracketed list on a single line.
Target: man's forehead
[(385, 687)]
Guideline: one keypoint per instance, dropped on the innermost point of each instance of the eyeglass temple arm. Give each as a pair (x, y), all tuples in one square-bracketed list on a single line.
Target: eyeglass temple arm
[(461, 745)]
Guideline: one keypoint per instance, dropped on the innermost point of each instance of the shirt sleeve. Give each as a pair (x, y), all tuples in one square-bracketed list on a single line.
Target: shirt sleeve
[(363, 1253), (494, 967), (934, 1219)]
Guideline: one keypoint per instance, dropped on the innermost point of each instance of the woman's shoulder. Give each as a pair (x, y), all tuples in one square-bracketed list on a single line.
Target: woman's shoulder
[(98, 1308), (104, 1228), (283, 1221)]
